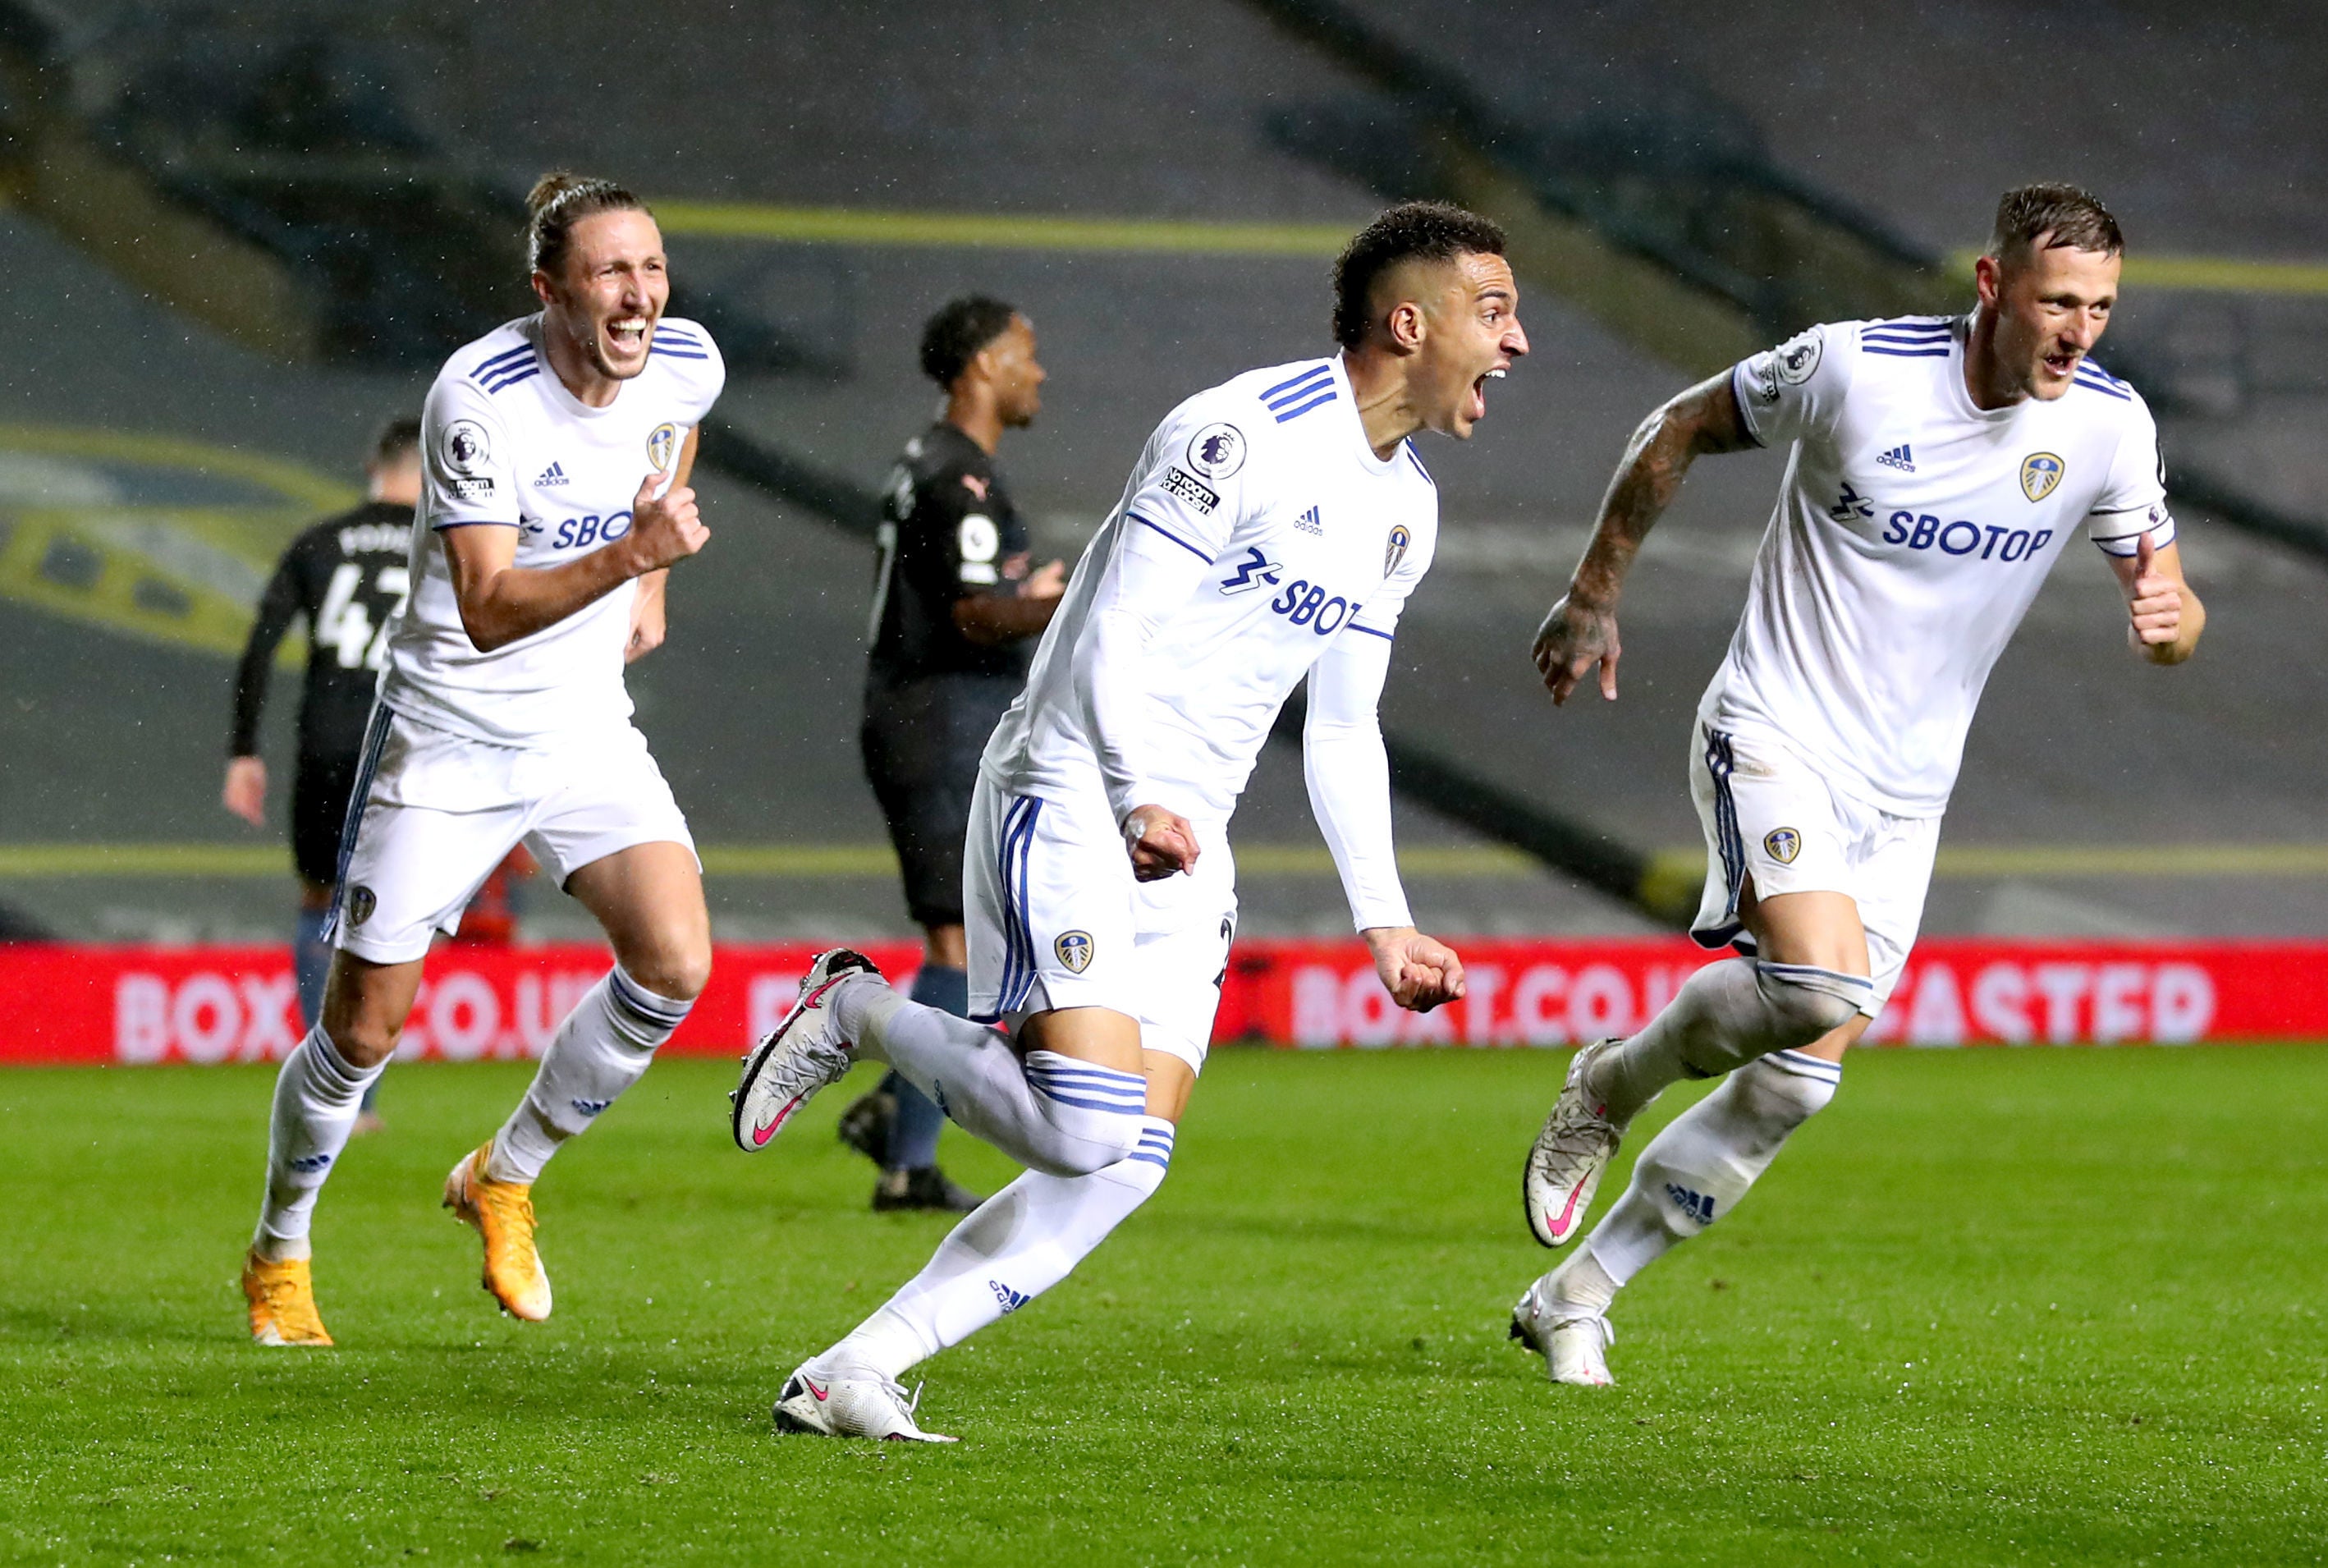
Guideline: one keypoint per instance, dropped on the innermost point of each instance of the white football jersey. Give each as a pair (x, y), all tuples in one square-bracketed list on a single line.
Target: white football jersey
[(1912, 532), (503, 442), (1306, 538)]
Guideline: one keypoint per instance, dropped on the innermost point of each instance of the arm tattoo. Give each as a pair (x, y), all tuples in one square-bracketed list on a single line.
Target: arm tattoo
[(1705, 418)]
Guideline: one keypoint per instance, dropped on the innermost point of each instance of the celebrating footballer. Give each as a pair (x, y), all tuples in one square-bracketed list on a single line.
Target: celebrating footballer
[(1270, 533), (1939, 465), (554, 501)]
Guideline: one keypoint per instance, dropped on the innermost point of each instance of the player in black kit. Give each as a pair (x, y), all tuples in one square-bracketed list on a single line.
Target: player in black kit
[(955, 613), (347, 577)]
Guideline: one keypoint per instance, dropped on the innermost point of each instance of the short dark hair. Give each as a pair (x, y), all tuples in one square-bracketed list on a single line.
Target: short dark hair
[(558, 201), (397, 440), (2060, 215), (951, 338), (1410, 231)]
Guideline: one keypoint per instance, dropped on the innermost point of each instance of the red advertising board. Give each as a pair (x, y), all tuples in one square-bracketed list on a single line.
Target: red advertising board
[(237, 1004), (1956, 991)]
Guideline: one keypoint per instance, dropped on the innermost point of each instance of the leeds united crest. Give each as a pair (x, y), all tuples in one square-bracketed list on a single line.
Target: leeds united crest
[(1783, 844), (2040, 471), (1395, 551), (1074, 950)]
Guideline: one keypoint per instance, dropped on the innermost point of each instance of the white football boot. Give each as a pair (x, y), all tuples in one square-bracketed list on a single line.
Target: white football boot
[(803, 1055), (1563, 1168), (853, 1403), (1573, 1339)]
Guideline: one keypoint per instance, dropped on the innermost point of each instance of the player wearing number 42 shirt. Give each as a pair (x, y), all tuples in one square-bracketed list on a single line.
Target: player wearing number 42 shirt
[(1271, 534), (346, 578), (556, 452), (1938, 467)]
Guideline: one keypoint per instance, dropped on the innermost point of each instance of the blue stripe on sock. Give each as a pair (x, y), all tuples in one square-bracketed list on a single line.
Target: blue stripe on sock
[(1797, 1065), (1129, 1089), (1135, 1092), (1097, 1078), (1080, 1103), (1060, 1062), (645, 1004), (1854, 981)]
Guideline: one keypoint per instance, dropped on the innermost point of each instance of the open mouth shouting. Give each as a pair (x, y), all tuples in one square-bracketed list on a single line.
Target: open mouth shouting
[(626, 336), (1479, 409)]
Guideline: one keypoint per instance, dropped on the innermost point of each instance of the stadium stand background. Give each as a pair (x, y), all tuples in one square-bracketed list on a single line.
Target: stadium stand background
[(114, 651)]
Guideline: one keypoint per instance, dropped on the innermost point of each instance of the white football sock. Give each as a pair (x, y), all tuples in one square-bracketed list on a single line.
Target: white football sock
[(1724, 1016), (316, 1098), (1018, 1244), (1050, 1112), (1581, 1282), (601, 1049), (1696, 1169)]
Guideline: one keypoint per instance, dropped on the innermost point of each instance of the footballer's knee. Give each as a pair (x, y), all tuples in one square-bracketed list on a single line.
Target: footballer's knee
[(363, 1044), (1091, 1116), (1806, 1003), (678, 970), (1788, 1088), (365, 1005), (669, 956)]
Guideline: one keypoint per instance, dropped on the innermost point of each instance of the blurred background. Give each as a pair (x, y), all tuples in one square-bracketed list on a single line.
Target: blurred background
[(239, 238)]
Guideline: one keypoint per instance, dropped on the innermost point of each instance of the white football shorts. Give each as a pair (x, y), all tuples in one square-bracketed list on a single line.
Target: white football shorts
[(1057, 920), (1770, 817), (434, 812)]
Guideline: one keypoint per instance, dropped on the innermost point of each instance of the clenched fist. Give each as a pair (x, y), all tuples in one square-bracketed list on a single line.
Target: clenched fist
[(663, 528)]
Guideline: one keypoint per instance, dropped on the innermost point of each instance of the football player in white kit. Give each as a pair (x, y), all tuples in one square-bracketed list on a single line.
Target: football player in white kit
[(556, 449), (1271, 532), (1938, 467)]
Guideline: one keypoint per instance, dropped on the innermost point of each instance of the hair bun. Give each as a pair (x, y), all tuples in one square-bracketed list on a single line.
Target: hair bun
[(547, 189)]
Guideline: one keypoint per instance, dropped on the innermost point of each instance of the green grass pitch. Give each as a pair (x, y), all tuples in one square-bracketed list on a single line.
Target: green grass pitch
[(1992, 1307)]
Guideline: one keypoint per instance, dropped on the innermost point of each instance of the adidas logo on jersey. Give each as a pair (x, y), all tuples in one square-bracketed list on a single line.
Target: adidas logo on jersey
[(1307, 524), (1695, 1204), (553, 474), (1011, 1300), (1899, 458)]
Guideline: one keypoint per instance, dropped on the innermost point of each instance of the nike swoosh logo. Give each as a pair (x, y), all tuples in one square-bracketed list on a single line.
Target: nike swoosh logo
[(1560, 1222), (813, 1388), (763, 1131)]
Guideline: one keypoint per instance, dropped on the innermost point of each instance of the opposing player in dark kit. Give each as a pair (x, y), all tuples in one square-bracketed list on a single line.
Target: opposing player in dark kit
[(955, 613)]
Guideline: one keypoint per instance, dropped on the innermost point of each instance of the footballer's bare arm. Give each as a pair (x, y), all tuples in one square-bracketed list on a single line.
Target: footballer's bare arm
[(501, 601), (1580, 630)]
